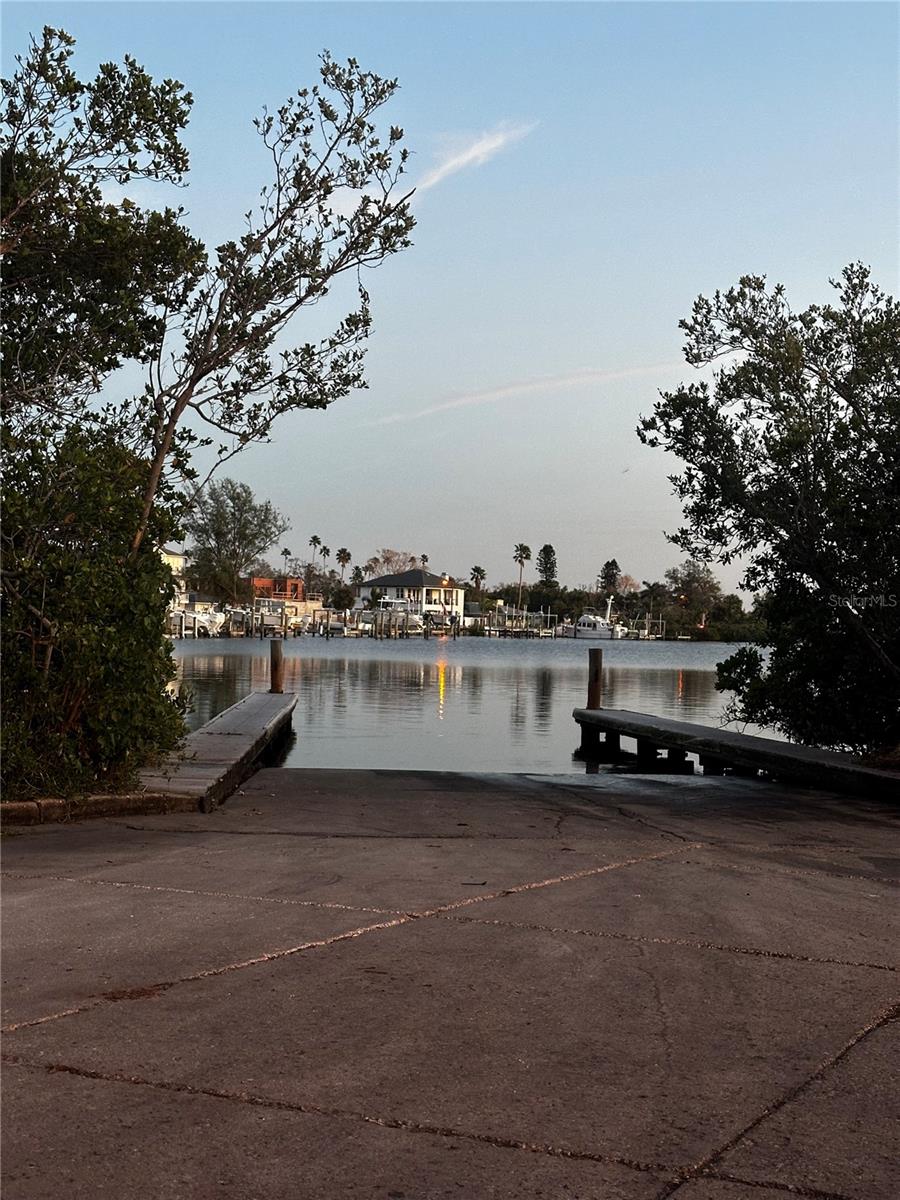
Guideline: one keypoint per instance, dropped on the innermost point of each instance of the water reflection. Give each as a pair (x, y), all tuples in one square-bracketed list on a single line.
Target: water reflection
[(447, 706)]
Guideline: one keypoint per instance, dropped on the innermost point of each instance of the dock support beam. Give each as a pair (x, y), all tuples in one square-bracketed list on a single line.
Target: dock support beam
[(590, 742), (646, 752), (711, 765)]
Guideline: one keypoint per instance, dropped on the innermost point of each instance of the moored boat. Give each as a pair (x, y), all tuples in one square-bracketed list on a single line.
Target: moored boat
[(591, 626)]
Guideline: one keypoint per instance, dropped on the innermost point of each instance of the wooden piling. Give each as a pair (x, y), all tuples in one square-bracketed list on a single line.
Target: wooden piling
[(276, 666), (590, 742), (646, 751), (595, 678)]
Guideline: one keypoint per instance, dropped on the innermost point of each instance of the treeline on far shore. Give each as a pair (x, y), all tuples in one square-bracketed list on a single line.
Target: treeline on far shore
[(689, 601)]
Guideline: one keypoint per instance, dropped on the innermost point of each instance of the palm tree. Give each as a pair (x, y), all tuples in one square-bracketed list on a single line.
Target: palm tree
[(343, 556), (522, 555), (285, 554), (326, 553), (315, 541), (423, 559), (478, 576)]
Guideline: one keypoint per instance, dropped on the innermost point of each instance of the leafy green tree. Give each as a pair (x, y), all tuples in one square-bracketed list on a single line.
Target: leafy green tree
[(91, 286), (344, 558), (86, 668), (654, 595), (694, 589), (546, 565), (609, 577), (728, 622), (329, 211), (341, 597), (230, 530), (478, 576), (85, 282), (84, 286), (521, 555), (792, 461)]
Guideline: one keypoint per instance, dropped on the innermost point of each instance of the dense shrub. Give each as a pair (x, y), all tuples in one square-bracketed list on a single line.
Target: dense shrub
[(86, 669)]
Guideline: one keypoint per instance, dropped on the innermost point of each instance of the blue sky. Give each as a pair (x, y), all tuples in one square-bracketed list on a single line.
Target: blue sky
[(589, 170)]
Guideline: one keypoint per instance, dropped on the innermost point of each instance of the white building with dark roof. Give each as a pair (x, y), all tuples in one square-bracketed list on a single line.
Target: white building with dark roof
[(422, 591)]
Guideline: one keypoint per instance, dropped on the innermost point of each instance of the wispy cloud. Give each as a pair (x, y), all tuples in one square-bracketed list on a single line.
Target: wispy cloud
[(525, 388), (475, 153)]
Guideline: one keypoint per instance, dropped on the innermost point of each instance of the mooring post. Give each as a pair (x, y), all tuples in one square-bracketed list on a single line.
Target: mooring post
[(276, 665), (595, 678)]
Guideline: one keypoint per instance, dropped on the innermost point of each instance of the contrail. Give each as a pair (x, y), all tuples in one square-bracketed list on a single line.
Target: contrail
[(552, 383), (480, 151)]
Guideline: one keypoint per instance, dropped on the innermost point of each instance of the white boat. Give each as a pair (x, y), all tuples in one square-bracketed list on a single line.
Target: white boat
[(400, 616), (590, 626), (189, 623)]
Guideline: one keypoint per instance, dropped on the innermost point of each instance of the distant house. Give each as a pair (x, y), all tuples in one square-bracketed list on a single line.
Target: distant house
[(423, 592), (175, 560), (279, 587)]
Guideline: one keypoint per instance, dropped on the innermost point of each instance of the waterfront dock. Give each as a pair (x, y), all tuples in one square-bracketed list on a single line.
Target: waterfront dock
[(386, 984), (721, 750), (206, 769), (219, 755)]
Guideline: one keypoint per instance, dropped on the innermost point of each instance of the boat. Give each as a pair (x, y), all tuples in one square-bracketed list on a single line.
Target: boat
[(591, 626), (399, 616), (187, 622)]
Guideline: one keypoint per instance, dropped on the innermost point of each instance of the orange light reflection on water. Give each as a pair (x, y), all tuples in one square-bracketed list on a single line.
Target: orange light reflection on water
[(442, 686)]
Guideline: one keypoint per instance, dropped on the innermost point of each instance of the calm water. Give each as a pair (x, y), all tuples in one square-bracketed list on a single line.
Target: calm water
[(470, 705)]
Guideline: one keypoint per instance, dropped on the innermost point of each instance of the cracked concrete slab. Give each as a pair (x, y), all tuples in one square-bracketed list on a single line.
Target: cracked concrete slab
[(561, 1065), (64, 943), (699, 896), (651, 1053), (172, 1145), (409, 804), (412, 873), (842, 1133), (721, 1189)]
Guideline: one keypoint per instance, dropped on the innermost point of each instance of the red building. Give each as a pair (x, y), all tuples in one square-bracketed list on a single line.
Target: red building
[(279, 588)]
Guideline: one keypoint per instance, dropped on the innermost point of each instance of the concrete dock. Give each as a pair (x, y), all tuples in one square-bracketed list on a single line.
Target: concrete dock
[(421, 986)]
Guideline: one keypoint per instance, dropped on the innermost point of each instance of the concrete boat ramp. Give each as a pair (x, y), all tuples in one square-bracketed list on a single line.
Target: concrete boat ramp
[(412, 986)]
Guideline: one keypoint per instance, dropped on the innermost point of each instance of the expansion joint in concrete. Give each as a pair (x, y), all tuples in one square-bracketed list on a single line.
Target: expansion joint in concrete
[(705, 1165), (805, 1191), (309, 1109), (152, 989), (647, 940), (677, 1177), (809, 872), (125, 884)]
